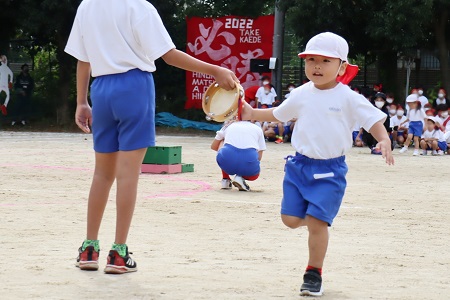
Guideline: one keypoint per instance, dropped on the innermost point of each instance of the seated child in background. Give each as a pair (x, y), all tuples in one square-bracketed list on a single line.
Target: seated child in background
[(392, 110), (273, 131), (288, 129), (266, 95), (357, 136), (399, 131), (433, 138), (239, 146), (442, 117)]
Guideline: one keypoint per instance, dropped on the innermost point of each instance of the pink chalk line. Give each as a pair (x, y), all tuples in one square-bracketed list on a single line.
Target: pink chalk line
[(201, 185)]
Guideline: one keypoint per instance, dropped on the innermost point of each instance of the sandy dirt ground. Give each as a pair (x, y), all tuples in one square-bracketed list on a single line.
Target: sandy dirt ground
[(192, 240)]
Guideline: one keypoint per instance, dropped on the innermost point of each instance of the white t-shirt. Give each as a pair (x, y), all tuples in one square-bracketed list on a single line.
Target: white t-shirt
[(244, 135), (326, 119), (395, 121), (440, 101), (423, 100), (437, 134), (116, 36), (416, 115), (266, 99)]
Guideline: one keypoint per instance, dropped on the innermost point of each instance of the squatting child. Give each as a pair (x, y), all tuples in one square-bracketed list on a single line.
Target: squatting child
[(314, 181)]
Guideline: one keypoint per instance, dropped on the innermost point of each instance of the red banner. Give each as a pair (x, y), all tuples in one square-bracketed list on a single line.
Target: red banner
[(230, 42)]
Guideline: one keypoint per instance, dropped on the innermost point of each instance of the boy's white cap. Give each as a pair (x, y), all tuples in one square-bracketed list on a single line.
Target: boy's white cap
[(412, 98), (327, 44)]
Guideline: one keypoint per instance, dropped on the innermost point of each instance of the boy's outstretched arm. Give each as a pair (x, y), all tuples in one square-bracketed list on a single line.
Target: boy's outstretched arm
[(384, 142), (249, 113), (224, 77)]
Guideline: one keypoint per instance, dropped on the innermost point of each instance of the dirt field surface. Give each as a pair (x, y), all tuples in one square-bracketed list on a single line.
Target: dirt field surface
[(192, 240)]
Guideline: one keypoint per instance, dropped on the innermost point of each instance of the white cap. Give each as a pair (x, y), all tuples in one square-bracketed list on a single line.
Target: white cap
[(434, 119), (327, 44), (412, 98)]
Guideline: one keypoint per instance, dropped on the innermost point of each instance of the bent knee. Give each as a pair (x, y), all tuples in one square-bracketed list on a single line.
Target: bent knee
[(292, 222)]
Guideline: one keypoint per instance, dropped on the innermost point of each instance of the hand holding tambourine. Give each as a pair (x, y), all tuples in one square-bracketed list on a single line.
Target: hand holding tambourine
[(221, 105)]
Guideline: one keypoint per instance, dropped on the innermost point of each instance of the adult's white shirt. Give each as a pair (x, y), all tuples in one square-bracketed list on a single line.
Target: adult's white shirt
[(244, 135), (326, 119), (116, 36)]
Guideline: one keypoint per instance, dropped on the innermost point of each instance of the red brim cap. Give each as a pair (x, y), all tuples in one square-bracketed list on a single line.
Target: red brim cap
[(350, 73)]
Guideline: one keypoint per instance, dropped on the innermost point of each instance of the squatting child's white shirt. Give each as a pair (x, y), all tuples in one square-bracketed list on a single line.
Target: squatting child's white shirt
[(116, 36), (244, 135), (326, 119), (437, 134)]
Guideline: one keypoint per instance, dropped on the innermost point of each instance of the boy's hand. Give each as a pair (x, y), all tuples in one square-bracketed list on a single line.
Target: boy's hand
[(83, 117), (225, 78), (386, 152)]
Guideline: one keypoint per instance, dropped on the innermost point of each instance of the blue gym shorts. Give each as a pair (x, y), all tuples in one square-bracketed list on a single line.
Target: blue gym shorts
[(442, 146), (415, 128), (313, 187), (123, 111), (235, 161)]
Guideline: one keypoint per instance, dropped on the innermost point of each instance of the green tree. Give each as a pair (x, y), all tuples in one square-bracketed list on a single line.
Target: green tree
[(380, 28), (49, 22)]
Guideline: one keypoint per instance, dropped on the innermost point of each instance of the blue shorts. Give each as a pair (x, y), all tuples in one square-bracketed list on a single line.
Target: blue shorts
[(415, 128), (123, 111), (235, 161), (354, 135), (442, 146), (287, 130), (313, 187)]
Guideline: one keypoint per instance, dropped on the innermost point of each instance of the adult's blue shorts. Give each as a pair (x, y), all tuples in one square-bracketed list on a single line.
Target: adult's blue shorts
[(123, 111)]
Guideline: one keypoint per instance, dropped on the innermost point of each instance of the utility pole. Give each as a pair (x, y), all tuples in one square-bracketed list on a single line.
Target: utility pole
[(278, 42)]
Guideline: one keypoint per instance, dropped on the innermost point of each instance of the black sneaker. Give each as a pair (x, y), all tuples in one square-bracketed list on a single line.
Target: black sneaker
[(117, 264), (312, 284)]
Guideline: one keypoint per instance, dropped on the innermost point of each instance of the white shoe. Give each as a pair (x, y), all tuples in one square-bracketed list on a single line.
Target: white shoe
[(403, 150), (226, 184), (424, 152), (23, 123), (440, 152), (434, 152), (240, 183), (416, 153)]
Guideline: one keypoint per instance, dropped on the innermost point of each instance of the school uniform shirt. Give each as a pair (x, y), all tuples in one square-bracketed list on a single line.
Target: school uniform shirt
[(326, 119), (395, 121), (415, 115), (244, 135), (266, 99), (437, 134), (116, 36)]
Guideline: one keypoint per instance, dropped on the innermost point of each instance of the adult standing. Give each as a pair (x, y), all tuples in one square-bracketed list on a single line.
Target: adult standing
[(6, 79), (24, 86)]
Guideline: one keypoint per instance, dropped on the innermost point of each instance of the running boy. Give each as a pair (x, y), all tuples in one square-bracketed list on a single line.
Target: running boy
[(117, 42), (314, 181)]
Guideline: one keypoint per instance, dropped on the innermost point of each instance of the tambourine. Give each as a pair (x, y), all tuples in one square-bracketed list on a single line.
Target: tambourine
[(221, 105)]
